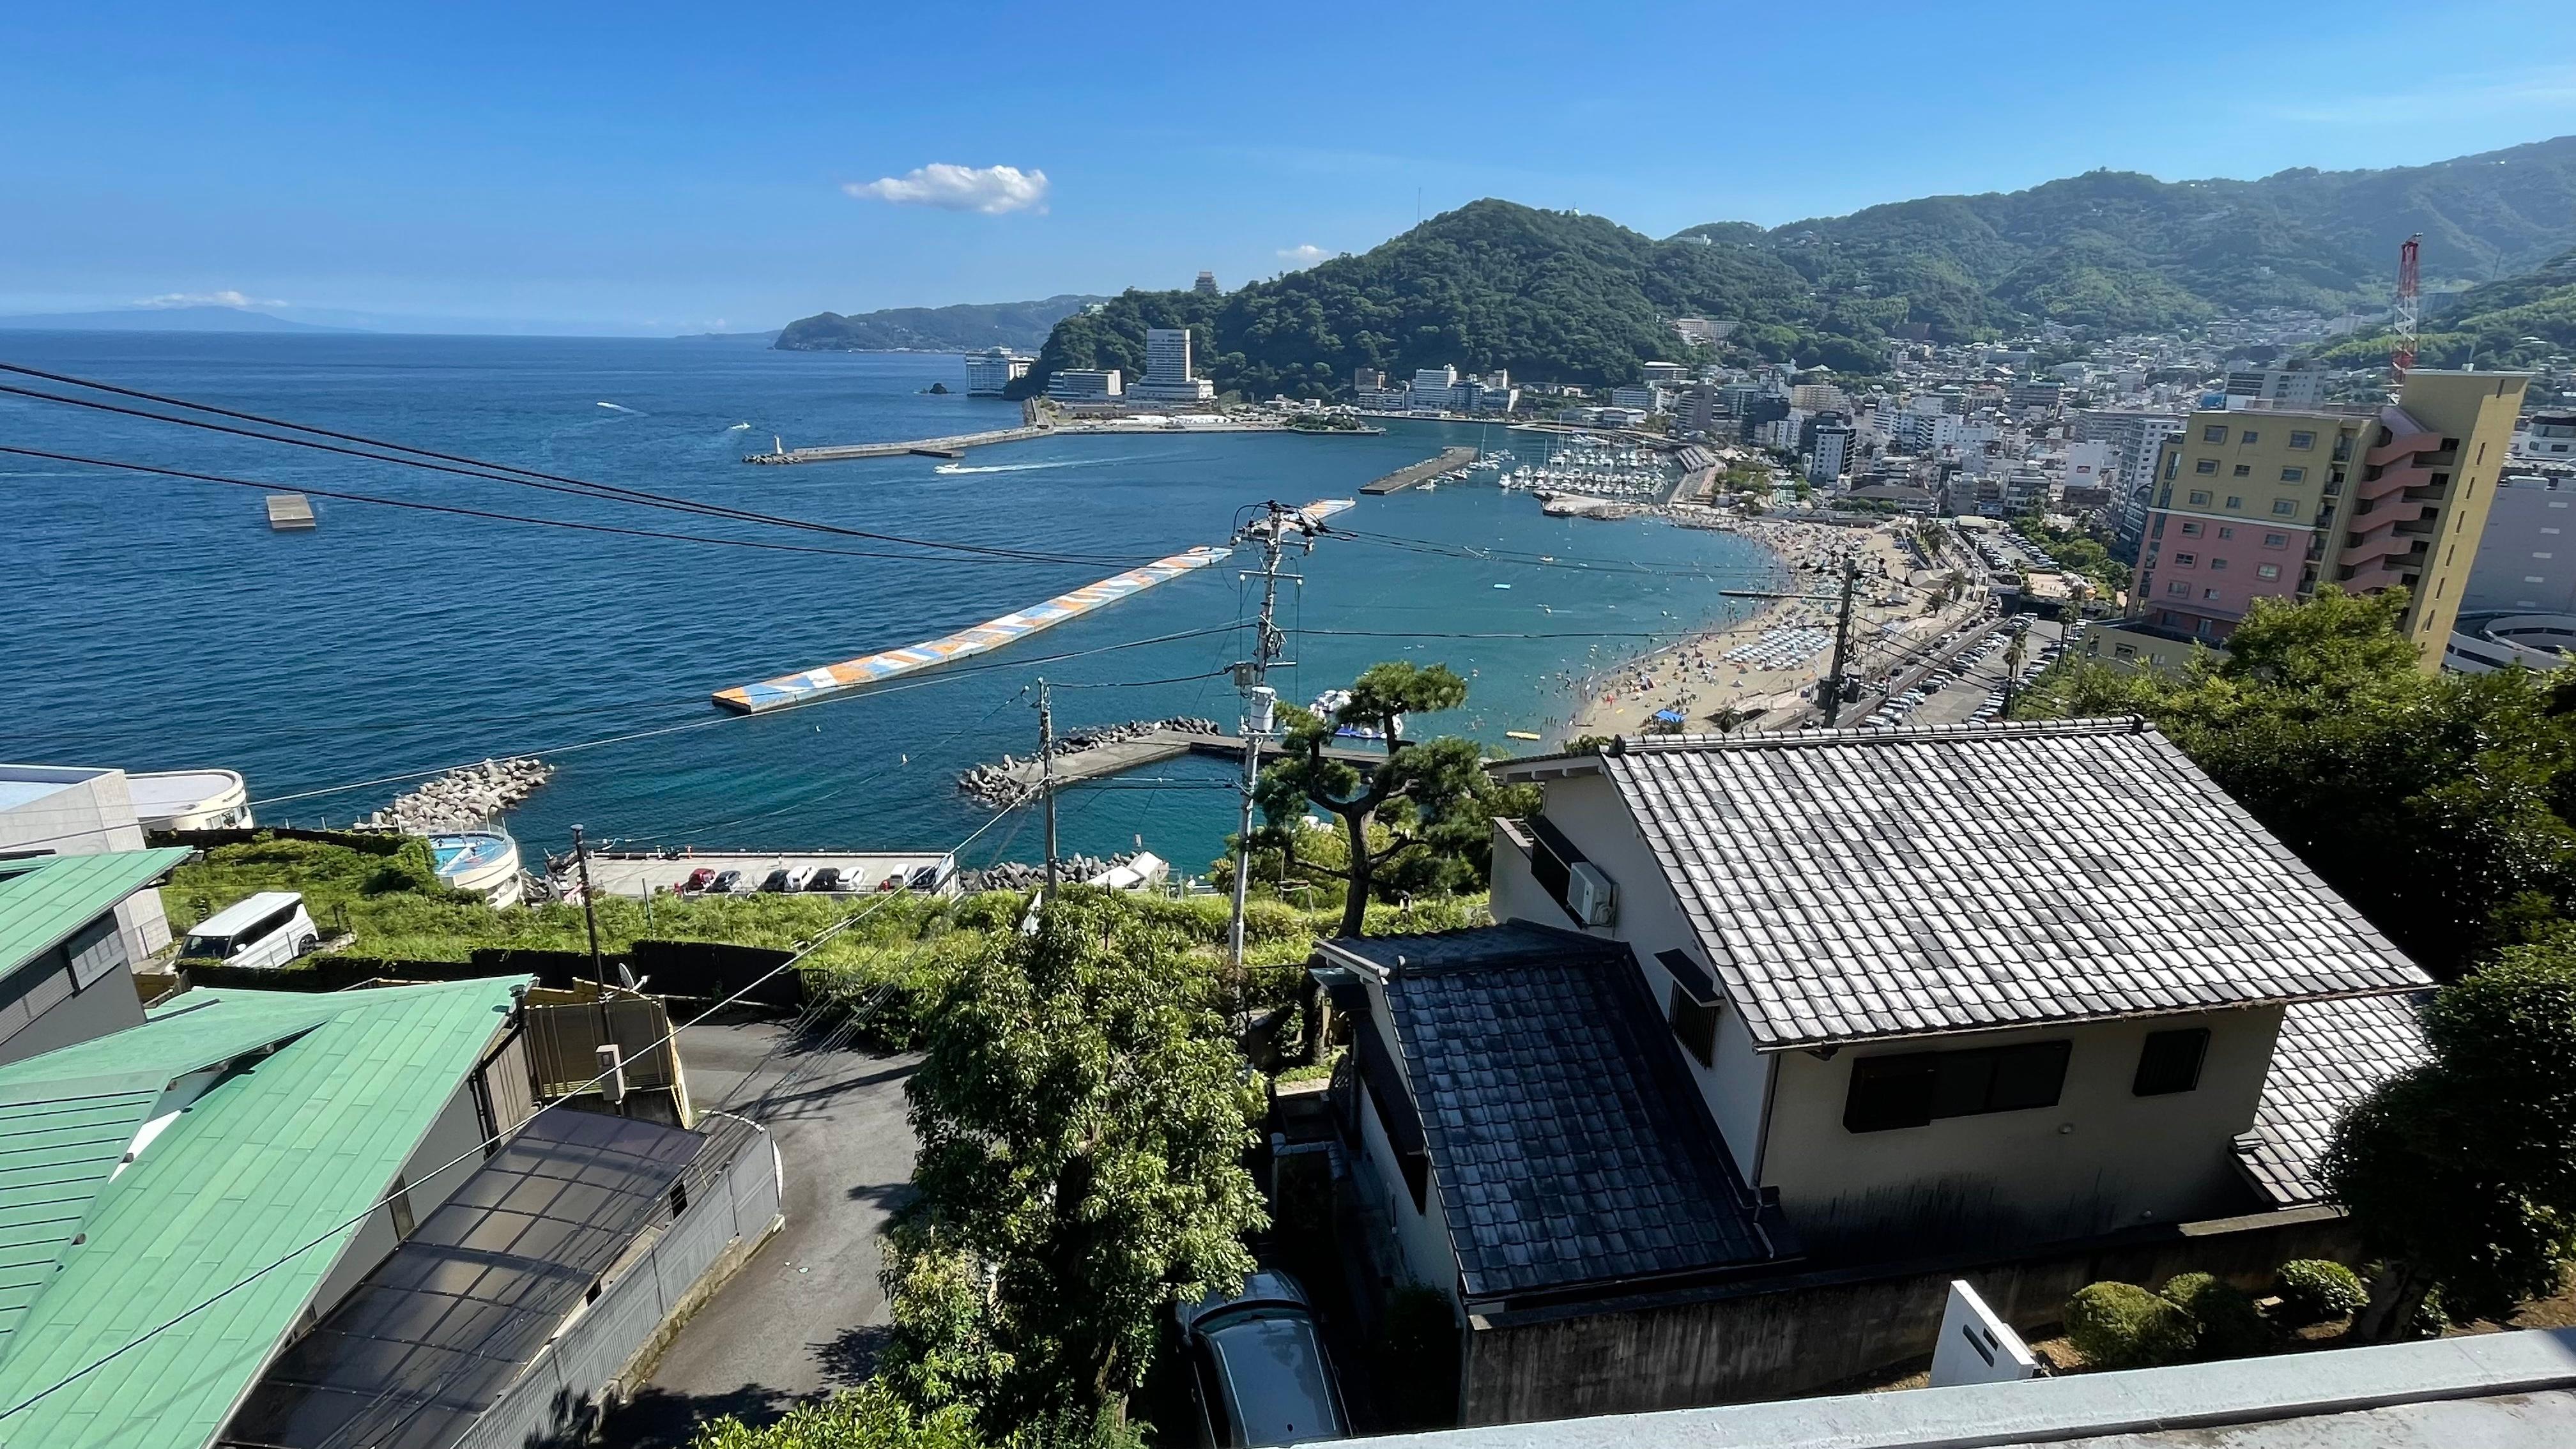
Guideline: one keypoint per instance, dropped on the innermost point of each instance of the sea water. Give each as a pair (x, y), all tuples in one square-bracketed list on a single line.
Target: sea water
[(159, 622)]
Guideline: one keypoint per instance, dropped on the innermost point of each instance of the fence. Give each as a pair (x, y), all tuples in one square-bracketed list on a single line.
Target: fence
[(731, 1195), (697, 970), (564, 1043)]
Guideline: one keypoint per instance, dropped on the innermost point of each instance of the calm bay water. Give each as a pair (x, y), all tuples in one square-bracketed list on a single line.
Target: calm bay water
[(161, 624)]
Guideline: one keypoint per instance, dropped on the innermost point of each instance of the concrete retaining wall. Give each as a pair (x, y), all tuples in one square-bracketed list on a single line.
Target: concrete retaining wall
[(1781, 1337)]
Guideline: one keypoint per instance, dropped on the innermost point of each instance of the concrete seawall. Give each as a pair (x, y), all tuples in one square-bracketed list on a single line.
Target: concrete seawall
[(1403, 478)]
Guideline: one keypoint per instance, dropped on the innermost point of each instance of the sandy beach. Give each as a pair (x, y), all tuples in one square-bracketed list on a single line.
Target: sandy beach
[(1771, 661)]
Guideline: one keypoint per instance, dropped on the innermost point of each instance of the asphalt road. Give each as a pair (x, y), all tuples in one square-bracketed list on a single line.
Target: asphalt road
[(804, 1316), (1954, 704)]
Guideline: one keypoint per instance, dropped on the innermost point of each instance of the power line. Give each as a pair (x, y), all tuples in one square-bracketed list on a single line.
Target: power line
[(497, 517), (803, 950), (498, 472)]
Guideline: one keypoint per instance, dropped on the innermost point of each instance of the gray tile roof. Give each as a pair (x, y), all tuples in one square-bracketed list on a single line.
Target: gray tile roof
[(1875, 883), (2330, 1054), (1568, 1145)]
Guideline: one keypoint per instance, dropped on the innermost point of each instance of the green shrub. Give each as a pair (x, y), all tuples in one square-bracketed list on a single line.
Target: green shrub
[(2122, 1326), (2315, 1289), (2228, 1324)]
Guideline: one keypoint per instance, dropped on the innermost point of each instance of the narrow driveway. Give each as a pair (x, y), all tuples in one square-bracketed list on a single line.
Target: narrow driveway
[(804, 1316)]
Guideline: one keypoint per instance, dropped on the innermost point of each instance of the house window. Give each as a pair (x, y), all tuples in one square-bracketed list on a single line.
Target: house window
[(1694, 1005), (2293, 475), (2181, 590), (2191, 530), (2200, 496), (2216, 564), (2209, 596), (2227, 533), (2285, 506), (2124, 651), (2303, 440), (1909, 1089), (399, 1204), (2267, 571), (2170, 1062), (2213, 435), (2276, 540), (2235, 502), (2205, 465), (2244, 470), (2185, 560), (2249, 436)]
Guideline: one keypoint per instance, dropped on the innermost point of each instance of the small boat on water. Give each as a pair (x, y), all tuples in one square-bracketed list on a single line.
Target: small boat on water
[(1521, 734)]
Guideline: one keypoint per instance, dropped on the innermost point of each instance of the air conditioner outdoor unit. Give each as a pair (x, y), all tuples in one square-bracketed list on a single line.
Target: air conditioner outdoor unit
[(1589, 894)]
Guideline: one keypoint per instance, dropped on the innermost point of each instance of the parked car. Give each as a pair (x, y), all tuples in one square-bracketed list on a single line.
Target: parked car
[(698, 880), (923, 878), (777, 880), (826, 879), (893, 882), (725, 883), (798, 878), (1258, 1371), (268, 929)]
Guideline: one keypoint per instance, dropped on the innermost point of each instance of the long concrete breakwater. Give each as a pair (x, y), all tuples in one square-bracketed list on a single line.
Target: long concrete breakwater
[(936, 447), (1450, 459), (820, 682)]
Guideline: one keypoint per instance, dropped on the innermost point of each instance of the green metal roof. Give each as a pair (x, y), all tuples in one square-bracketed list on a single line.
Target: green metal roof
[(276, 1155), (44, 900)]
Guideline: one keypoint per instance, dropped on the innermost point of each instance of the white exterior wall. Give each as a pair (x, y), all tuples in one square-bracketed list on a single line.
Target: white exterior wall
[(90, 812), (2102, 1158), (1421, 1238), (456, 1130), (1586, 810)]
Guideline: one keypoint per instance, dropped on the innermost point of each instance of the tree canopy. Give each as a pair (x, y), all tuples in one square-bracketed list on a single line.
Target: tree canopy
[(1418, 821), (2439, 805), (1082, 1118)]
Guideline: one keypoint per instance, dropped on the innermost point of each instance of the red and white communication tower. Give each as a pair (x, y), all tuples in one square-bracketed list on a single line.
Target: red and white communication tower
[(2401, 348)]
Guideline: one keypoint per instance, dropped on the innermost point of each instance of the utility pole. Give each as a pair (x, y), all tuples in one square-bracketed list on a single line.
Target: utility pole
[(1842, 644), (1046, 777), (1259, 702), (590, 919)]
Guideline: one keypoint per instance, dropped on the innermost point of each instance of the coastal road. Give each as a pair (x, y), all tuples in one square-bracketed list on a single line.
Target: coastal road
[(805, 1315)]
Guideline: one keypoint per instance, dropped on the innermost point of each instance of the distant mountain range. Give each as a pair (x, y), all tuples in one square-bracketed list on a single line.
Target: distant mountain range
[(161, 319), (1554, 296), (968, 327), (2510, 322)]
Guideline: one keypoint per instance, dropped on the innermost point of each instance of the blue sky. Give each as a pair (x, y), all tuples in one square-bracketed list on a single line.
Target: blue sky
[(663, 168)]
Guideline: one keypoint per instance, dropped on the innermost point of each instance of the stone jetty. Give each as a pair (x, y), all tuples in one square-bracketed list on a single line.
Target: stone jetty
[(1007, 783), (1013, 875), (463, 799)]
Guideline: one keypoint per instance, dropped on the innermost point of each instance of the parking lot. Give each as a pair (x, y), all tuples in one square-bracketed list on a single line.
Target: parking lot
[(861, 872), (1975, 690)]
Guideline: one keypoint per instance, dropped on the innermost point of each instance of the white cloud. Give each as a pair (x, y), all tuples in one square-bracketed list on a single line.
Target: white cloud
[(1302, 256), (226, 298), (991, 190)]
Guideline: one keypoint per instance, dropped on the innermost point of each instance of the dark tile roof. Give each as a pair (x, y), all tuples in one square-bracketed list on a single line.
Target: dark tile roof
[(1875, 883), (1568, 1144), (2329, 1054)]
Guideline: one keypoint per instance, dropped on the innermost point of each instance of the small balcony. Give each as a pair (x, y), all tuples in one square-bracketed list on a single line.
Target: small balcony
[(2403, 445), (2391, 546)]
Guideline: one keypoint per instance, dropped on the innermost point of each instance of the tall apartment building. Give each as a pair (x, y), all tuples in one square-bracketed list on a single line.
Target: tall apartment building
[(1665, 374), (1084, 384), (1167, 369), (989, 373), (1831, 454), (2261, 502), (2297, 385)]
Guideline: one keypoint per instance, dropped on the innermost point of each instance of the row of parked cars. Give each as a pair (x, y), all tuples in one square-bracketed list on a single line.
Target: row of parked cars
[(1898, 708), (707, 880)]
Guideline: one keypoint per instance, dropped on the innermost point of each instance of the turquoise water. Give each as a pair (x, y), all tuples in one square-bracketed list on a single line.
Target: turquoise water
[(161, 624)]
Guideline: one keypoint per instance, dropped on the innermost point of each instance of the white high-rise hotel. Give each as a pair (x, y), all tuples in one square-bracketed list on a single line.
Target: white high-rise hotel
[(1167, 369)]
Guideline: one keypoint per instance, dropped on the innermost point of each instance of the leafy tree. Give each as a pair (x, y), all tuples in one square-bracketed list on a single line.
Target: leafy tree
[(1082, 1119), (870, 1417), (2438, 804), (1417, 821), (2462, 1171)]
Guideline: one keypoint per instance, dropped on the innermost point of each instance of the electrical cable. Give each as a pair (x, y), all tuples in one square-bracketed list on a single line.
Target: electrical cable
[(530, 478), (521, 518)]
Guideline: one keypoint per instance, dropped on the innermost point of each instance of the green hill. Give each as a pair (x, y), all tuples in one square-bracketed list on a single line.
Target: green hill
[(1559, 297), (2515, 322), (968, 327)]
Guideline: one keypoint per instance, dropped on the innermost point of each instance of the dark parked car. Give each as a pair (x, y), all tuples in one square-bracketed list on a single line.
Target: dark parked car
[(725, 884), (777, 880), (1257, 1367), (826, 879)]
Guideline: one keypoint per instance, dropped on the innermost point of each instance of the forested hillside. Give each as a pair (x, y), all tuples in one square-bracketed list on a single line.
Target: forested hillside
[(968, 327)]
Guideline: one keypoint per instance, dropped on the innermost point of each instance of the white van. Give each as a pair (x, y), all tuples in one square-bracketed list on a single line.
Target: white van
[(269, 929)]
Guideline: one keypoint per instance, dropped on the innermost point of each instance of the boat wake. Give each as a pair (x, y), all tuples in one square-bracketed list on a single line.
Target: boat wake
[(953, 469), (612, 407), (736, 428)]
